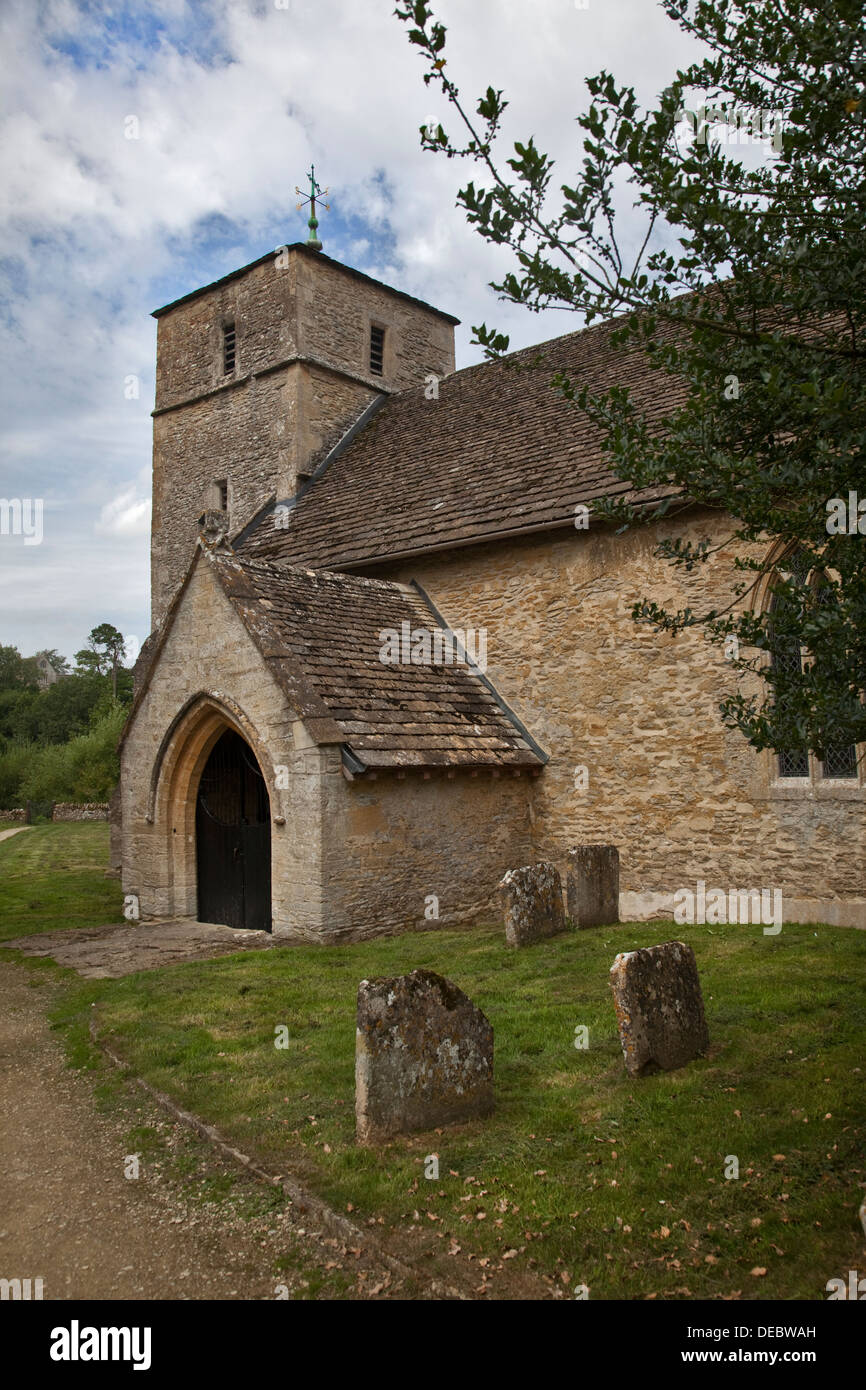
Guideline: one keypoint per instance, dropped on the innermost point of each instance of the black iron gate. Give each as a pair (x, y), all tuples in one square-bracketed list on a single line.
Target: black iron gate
[(233, 838)]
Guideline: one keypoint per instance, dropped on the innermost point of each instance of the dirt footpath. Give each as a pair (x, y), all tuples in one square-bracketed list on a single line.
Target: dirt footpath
[(68, 1214)]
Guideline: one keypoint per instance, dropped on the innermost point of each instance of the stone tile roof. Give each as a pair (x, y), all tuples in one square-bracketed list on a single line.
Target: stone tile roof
[(320, 636), (498, 453)]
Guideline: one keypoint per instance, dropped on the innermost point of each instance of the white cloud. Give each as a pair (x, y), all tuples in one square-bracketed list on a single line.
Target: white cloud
[(233, 99), (125, 515)]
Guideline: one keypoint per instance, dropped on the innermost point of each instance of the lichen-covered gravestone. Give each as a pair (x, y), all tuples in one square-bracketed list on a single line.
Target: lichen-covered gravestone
[(423, 1056), (659, 1007), (592, 885), (531, 900)]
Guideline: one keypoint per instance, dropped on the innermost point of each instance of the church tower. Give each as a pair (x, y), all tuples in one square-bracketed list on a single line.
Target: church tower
[(259, 375)]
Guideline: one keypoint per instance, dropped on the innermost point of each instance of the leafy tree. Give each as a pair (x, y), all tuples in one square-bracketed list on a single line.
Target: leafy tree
[(745, 286), (15, 673), (18, 713), (103, 653), (66, 707)]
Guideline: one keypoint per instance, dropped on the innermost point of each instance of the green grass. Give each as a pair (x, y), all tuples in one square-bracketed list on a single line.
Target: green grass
[(619, 1184), (54, 876), (616, 1183)]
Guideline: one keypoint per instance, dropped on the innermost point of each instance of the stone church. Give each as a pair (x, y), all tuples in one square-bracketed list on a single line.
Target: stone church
[(392, 653)]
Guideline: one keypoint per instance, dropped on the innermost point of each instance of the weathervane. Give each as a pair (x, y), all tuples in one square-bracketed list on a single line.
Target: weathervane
[(315, 192)]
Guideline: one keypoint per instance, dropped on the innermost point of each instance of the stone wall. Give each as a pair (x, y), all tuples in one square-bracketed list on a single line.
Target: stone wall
[(682, 797), (393, 844), (301, 379), (88, 810), (16, 813)]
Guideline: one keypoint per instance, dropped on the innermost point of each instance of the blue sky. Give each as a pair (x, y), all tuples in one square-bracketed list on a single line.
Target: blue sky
[(227, 102)]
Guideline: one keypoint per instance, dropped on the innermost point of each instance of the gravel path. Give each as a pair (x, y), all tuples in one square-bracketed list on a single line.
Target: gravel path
[(70, 1216)]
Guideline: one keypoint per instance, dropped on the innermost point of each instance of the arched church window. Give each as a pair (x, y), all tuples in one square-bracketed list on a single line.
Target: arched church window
[(839, 761), (786, 654)]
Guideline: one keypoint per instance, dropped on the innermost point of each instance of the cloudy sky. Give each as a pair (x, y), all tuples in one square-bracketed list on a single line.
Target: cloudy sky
[(231, 100)]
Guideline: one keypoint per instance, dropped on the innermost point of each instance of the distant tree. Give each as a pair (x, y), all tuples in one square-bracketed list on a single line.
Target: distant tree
[(66, 707), (103, 654), (15, 672), (18, 719)]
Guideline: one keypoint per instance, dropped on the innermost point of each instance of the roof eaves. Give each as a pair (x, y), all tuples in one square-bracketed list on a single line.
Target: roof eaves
[(463, 542), (301, 247)]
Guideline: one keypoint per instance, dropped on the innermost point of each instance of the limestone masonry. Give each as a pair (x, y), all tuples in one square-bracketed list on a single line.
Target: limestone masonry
[(322, 476)]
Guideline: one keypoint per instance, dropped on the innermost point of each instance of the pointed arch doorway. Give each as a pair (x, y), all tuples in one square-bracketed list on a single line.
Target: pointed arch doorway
[(233, 837)]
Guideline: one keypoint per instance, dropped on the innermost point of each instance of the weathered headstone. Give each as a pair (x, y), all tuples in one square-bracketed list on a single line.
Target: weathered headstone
[(531, 901), (659, 1007), (592, 885), (423, 1056)]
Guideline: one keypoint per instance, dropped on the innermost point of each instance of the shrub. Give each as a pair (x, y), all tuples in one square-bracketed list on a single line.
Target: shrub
[(86, 768), (14, 761)]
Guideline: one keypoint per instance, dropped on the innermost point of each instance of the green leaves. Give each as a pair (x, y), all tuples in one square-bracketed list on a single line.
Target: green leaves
[(494, 344), (746, 296)]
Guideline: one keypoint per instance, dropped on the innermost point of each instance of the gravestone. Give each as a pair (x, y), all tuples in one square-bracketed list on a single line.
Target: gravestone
[(659, 1008), (592, 885), (531, 900), (423, 1056)]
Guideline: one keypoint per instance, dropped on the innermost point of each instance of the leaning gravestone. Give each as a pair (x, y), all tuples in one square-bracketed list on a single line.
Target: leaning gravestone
[(423, 1056), (531, 900), (592, 885), (659, 1008)]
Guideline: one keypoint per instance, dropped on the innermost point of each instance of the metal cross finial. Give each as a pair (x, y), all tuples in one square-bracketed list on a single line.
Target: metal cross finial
[(313, 222)]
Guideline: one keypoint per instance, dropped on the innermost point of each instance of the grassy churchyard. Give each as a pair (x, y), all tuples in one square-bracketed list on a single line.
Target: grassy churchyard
[(582, 1176)]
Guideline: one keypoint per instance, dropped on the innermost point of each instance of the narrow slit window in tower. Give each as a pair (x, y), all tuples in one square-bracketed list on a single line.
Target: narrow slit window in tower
[(377, 350), (229, 345)]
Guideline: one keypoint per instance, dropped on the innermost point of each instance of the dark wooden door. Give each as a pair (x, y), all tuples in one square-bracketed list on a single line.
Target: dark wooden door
[(233, 838)]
